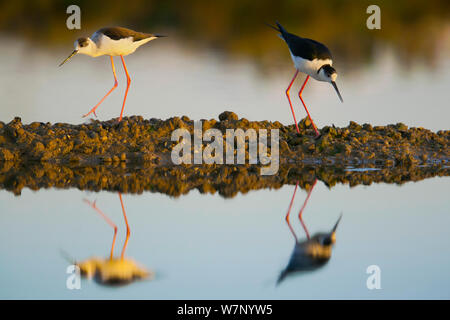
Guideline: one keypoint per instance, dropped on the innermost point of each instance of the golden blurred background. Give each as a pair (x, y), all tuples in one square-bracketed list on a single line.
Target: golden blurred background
[(415, 30)]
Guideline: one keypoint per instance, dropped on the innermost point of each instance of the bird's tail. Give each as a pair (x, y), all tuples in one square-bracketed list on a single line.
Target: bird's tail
[(273, 27), (282, 30), (278, 28), (153, 36)]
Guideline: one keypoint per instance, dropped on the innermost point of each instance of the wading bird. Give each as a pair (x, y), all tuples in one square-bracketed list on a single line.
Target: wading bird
[(312, 58), (112, 271), (112, 41), (313, 252)]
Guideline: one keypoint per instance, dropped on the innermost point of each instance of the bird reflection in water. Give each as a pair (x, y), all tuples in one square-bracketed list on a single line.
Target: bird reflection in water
[(313, 252), (113, 271)]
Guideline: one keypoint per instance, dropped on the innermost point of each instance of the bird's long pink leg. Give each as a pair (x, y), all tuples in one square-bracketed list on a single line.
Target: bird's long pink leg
[(289, 211), (289, 98), (128, 86), (112, 89), (105, 217), (304, 105), (128, 227), (300, 214)]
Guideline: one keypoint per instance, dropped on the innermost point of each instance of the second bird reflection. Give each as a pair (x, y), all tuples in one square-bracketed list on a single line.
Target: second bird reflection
[(111, 270), (313, 252)]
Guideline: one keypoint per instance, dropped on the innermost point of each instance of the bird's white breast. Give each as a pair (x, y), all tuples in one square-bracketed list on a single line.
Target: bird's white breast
[(121, 47), (310, 67)]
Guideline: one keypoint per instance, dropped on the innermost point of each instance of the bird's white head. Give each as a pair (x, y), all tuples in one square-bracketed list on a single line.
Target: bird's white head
[(83, 46), (328, 74)]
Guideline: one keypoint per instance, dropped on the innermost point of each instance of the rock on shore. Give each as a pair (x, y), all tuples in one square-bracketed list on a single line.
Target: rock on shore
[(138, 140)]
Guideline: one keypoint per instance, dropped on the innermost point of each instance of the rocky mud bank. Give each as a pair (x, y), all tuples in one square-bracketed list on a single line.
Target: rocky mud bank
[(148, 141)]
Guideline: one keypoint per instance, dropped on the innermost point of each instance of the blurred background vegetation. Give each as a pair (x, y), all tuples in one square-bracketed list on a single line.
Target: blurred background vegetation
[(413, 29)]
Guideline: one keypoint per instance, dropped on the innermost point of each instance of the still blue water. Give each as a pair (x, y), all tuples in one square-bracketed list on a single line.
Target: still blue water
[(207, 247)]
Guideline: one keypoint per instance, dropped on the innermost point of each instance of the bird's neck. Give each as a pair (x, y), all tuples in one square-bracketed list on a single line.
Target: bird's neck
[(93, 49)]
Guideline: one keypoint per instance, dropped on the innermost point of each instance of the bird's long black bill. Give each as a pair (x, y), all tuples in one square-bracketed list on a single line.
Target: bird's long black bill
[(337, 90), (337, 223), (67, 59)]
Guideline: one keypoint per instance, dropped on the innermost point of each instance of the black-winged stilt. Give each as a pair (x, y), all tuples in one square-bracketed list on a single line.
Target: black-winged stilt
[(113, 271), (312, 58), (112, 41), (313, 252)]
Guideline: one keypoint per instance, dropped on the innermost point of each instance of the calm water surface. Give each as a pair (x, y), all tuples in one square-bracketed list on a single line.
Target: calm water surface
[(205, 246)]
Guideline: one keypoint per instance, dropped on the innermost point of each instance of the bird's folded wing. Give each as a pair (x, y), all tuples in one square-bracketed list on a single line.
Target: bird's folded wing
[(307, 48), (117, 33)]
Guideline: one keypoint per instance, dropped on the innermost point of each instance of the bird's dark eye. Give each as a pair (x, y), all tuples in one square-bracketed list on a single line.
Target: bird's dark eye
[(83, 42)]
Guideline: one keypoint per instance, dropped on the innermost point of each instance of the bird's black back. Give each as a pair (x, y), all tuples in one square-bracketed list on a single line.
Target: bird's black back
[(117, 33), (304, 47), (302, 261)]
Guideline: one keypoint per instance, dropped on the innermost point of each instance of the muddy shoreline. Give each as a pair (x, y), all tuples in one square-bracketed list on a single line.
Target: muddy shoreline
[(137, 141), (178, 180)]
